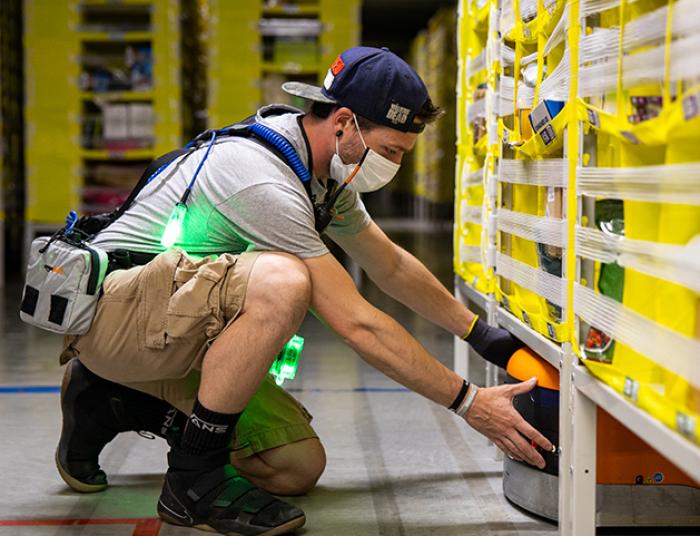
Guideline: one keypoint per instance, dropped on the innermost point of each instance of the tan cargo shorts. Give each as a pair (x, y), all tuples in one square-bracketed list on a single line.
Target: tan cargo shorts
[(153, 325)]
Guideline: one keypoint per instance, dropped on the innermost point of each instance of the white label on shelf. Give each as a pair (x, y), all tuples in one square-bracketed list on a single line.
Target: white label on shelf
[(691, 106), (631, 389), (632, 138), (593, 118), (686, 424)]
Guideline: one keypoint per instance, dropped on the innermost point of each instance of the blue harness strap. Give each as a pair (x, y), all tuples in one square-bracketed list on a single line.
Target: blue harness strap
[(248, 128)]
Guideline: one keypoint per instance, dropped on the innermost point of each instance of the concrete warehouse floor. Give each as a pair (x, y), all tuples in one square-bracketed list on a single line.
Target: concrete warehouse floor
[(397, 463)]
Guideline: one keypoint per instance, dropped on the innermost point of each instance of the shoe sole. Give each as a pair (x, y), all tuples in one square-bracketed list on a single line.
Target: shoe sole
[(72, 482), (289, 526)]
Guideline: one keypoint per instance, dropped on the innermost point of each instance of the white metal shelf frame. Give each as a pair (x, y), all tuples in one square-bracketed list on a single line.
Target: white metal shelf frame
[(683, 452), (544, 347)]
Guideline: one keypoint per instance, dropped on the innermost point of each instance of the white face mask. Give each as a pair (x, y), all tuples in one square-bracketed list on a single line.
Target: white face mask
[(375, 172)]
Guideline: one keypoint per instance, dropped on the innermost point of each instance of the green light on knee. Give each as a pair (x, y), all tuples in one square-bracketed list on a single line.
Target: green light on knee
[(173, 229), (285, 365)]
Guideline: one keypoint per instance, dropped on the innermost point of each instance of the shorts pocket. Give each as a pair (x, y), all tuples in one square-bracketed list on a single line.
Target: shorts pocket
[(194, 309), (181, 299), (155, 288)]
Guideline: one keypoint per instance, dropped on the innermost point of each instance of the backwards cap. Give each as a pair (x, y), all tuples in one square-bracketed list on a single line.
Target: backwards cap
[(374, 83)]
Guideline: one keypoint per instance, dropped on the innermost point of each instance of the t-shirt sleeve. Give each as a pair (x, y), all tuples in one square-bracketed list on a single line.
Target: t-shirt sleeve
[(351, 215), (274, 217)]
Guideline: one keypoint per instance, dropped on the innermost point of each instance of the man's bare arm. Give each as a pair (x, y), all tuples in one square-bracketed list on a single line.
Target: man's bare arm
[(378, 338), (406, 279), (384, 344)]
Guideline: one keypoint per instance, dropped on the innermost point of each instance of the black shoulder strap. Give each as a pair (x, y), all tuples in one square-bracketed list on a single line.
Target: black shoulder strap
[(91, 225), (237, 129), (152, 168)]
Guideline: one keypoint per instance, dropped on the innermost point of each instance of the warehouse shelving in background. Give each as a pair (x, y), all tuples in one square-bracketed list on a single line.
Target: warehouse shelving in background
[(11, 129), (122, 82), (434, 56), (577, 214), (275, 41), (103, 97)]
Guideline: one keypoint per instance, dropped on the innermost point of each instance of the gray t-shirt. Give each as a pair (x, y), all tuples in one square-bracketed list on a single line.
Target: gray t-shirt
[(245, 199)]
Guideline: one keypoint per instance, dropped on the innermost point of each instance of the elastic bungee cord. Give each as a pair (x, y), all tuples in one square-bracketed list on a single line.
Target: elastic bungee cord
[(173, 229)]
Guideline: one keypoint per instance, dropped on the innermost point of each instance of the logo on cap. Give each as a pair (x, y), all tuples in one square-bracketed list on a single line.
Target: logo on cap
[(397, 114), (337, 66)]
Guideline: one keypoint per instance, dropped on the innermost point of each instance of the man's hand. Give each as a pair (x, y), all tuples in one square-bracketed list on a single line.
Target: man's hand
[(493, 344), (493, 415)]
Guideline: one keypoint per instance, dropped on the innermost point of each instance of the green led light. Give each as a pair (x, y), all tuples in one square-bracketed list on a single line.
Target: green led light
[(174, 227), (285, 365)]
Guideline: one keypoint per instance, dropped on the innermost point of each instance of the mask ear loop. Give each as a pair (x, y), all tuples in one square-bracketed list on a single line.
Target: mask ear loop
[(357, 126), (329, 203)]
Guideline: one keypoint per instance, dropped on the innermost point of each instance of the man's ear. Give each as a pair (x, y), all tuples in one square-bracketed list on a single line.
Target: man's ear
[(342, 119)]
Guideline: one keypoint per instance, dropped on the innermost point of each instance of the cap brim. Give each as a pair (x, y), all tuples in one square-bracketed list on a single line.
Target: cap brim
[(307, 91)]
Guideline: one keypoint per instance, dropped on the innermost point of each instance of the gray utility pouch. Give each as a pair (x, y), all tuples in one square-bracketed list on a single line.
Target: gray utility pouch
[(63, 283)]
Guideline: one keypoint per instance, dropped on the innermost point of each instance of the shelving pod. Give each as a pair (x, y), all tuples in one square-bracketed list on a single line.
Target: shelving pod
[(578, 200), (474, 279), (636, 300), (103, 99), (274, 42), (433, 55)]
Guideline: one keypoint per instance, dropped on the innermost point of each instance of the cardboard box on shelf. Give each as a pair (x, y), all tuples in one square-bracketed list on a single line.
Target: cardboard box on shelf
[(116, 121), (140, 121)]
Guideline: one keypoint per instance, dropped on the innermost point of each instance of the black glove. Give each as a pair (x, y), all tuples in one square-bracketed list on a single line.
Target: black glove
[(493, 344)]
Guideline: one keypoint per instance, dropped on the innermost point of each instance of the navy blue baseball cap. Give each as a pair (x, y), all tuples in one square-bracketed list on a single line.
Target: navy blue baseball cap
[(374, 83)]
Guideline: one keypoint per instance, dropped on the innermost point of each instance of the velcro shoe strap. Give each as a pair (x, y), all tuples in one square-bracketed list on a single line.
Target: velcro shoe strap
[(221, 482), (182, 461), (252, 501)]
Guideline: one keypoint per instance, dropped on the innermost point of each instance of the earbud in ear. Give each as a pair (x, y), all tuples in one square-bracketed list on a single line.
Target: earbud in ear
[(339, 133)]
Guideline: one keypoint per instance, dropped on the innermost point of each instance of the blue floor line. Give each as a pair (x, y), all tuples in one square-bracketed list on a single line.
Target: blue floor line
[(14, 389), (44, 389)]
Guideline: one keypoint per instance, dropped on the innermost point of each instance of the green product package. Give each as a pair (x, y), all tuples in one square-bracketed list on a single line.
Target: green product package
[(609, 218)]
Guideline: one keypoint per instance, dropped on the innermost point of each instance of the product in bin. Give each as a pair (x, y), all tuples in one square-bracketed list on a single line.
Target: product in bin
[(549, 256), (609, 218), (479, 123), (645, 108)]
